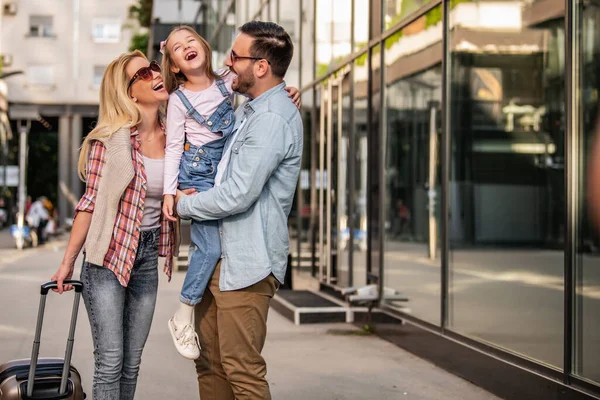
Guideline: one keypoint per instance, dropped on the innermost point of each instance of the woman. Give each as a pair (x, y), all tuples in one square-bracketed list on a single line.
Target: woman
[(119, 219)]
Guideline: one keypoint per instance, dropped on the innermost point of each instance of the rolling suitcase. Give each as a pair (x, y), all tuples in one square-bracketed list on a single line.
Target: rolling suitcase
[(53, 378)]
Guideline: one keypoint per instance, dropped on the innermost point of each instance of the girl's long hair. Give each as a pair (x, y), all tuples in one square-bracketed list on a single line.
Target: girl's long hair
[(171, 79), (117, 109)]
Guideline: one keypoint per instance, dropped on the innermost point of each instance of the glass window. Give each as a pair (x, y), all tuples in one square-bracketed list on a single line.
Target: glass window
[(106, 30), (361, 23), (333, 33), (413, 81), (40, 75), (507, 178), (374, 202), (289, 19), (341, 158), (397, 10), (41, 26), (308, 46), (361, 167), (303, 259), (587, 323), (322, 183)]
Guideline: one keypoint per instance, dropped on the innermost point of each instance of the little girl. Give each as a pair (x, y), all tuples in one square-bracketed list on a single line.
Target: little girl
[(200, 119)]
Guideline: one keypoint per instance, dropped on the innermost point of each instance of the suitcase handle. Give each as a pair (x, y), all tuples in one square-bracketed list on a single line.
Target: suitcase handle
[(48, 391), (53, 285), (38, 332)]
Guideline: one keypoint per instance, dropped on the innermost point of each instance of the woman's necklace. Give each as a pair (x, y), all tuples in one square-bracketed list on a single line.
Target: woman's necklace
[(149, 139)]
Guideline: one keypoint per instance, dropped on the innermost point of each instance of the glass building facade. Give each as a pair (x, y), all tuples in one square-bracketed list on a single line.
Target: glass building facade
[(446, 145)]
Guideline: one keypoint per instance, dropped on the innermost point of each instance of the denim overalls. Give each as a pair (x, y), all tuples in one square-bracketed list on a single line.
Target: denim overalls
[(197, 169)]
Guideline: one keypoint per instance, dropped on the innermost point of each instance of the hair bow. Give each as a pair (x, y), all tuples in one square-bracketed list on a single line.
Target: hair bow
[(162, 46)]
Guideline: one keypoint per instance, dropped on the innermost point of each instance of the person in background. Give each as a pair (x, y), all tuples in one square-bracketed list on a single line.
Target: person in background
[(3, 214), (37, 218)]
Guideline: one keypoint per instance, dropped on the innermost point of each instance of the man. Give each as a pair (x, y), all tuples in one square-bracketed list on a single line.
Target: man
[(252, 197)]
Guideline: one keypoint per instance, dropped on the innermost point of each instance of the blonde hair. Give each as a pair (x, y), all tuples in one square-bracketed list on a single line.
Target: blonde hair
[(117, 109), (171, 79)]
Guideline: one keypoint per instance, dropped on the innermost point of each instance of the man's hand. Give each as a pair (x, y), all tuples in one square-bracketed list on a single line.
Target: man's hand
[(294, 94), (180, 193)]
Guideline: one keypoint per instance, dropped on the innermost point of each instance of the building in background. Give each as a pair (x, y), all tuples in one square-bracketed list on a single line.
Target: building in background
[(62, 48)]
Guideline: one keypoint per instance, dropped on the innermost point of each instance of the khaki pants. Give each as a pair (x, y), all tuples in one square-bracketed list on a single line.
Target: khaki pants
[(232, 327)]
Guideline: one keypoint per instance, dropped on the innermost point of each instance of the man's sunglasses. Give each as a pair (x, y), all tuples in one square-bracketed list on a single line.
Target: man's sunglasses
[(145, 73), (235, 57)]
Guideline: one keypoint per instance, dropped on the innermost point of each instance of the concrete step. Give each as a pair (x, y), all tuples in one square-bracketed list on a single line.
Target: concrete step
[(312, 307)]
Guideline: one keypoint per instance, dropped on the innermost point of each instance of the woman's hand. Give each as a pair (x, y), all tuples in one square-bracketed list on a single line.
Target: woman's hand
[(294, 94), (65, 272), (167, 208)]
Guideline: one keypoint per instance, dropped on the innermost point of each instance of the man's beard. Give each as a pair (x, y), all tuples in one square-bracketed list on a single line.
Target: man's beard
[(245, 81)]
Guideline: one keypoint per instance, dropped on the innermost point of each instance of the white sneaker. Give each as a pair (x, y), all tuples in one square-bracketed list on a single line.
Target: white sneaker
[(185, 340)]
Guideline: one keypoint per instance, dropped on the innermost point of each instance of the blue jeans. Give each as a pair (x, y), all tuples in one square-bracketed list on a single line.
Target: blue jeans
[(120, 318), (197, 170)]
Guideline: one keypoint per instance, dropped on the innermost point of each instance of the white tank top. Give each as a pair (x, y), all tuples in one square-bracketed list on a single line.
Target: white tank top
[(154, 193)]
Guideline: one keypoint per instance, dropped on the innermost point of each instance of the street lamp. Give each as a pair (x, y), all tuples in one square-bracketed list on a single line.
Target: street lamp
[(23, 115), (5, 132)]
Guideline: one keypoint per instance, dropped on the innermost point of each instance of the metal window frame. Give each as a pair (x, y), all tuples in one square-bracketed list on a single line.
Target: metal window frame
[(570, 181), (445, 168), (351, 157)]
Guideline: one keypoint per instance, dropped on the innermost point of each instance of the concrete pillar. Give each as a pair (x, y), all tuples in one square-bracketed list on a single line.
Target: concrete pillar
[(64, 150), (76, 184)]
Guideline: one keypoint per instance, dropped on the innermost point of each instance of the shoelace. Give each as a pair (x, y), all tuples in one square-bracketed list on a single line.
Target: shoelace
[(188, 336)]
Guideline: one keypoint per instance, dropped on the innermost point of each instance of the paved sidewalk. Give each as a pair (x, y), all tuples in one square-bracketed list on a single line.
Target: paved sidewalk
[(6, 241), (305, 362)]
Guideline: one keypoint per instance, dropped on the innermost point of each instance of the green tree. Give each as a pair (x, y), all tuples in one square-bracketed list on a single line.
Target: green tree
[(139, 41), (142, 12)]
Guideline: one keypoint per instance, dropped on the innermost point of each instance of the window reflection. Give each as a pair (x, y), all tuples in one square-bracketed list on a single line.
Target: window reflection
[(342, 200), (333, 33), (360, 159), (507, 177), (361, 23), (302, 257), (396, 11), (587, 323), (307, 72), (374, 201), (413, 94)]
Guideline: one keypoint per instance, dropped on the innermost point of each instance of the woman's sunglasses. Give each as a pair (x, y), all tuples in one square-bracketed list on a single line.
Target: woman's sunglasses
[(145, 73)]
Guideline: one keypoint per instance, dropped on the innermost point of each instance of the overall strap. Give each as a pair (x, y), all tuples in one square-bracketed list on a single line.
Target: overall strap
[(223, 88), (191, 111)]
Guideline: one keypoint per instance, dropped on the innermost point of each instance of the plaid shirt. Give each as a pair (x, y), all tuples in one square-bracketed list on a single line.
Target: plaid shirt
[(123, 246)]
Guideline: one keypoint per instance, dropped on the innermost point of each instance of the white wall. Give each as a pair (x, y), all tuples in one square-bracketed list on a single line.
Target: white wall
[(168, 11), (71, 52)]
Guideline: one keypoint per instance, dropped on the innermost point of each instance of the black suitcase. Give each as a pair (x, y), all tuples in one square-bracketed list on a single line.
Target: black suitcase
[(54, 378)]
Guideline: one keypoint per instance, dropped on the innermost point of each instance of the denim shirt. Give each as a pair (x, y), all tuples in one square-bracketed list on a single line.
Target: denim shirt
[(255, 196)]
